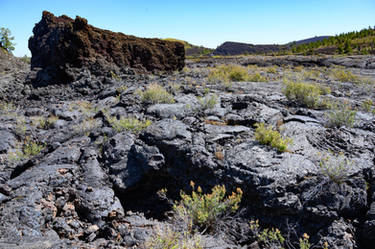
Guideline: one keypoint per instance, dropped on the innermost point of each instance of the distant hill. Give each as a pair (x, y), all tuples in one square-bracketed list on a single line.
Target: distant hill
[(357, 42), (193, 50), (309, 40), (237, 48)]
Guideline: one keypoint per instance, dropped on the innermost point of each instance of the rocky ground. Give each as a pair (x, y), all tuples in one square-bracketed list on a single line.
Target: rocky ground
[(71, 178)]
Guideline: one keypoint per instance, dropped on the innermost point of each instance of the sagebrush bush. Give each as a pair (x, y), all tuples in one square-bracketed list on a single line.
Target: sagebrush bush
[(167, 237), (203, 210), (129, 124), (335, 167), (344, 76), (268, 136), (155, 94), (304, 93), (341, 115)]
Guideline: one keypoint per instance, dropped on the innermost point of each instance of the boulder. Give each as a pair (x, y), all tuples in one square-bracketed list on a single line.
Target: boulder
[(61, 47)]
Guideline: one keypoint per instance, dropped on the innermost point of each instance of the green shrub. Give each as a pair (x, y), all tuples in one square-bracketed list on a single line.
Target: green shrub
[(268, 136), (335, 167), (208, 102), (341, 115), (6, 40), (203, 210), (304, 93), (156, 94), (129, 124)]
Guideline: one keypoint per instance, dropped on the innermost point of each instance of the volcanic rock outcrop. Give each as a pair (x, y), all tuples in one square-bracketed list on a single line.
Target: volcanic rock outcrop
[(62, 46)]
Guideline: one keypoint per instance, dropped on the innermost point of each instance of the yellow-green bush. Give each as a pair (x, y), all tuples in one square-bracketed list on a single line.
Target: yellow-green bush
[(203, 210), (304, 93), (256, 77), (268, 136), (129, 124), (344, 76), (155, 93)]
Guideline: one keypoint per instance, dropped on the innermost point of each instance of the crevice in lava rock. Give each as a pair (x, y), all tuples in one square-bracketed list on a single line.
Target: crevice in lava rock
[(147, 197)]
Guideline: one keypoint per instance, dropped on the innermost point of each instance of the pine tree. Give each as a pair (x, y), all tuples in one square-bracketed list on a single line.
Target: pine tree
[(6, 41)]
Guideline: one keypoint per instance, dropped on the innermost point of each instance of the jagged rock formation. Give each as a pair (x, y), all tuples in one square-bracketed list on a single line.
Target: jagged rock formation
[(60, 46)]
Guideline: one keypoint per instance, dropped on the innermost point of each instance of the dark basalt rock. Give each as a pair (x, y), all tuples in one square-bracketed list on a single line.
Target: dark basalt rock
[(61, 47)]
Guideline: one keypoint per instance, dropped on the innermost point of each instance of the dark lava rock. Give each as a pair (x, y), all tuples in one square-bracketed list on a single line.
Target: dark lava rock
[(61, 45)]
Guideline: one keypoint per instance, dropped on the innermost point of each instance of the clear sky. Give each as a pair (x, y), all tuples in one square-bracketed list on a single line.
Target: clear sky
[(201, 22)]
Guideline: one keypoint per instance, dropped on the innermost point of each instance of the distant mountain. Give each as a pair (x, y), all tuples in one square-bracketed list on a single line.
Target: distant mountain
[(193, 50)]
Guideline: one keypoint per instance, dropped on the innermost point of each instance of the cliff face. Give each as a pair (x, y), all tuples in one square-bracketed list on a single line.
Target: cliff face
[(60, 45)]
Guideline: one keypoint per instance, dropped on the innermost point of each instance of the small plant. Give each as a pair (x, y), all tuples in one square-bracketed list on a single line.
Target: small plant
[(168, 238), (268, 136), (335, 167), (208, 102), (203, 210), (174, 87), (121, 89), (7, 108), (28, 149), (304, 242), (303, 93), (47, 123), (271, 69), (156, 94), (114, 76), (86, 126), (273, 238), (129, 124), (368, 105), (341, 115), (32, 148)]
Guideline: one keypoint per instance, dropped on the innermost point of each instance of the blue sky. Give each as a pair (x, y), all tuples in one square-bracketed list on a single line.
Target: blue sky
[(204, 22)]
